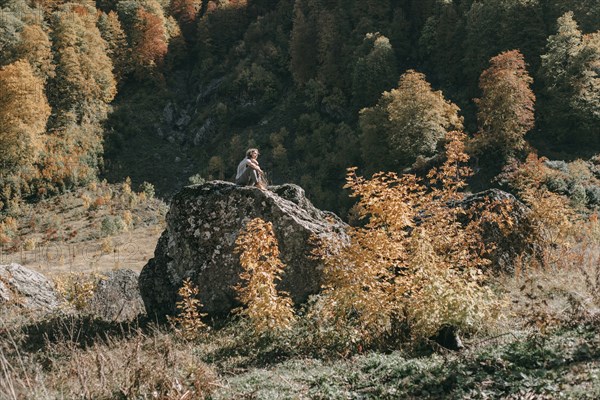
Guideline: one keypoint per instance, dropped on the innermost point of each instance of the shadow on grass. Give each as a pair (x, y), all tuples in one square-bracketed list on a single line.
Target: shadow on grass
[(84, 331)]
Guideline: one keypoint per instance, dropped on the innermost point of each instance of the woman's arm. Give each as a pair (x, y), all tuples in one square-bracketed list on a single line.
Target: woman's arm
[(254, 165)]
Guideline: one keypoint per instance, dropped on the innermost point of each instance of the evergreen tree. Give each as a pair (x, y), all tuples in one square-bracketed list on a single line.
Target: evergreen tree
[(374, 72), (10, 26), (585, 12), (400, 36), (571, 95), (303, 41), (330, 43), (506, 109), (441, 43), (494, 26)]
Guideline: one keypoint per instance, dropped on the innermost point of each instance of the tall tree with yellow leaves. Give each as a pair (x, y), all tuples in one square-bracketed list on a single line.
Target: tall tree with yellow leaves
[(24, 112), (408, 122)]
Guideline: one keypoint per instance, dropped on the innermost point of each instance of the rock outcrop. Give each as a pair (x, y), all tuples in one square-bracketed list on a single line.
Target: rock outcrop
[(510, 243), (198, 243), (117, 297), (23, 287)]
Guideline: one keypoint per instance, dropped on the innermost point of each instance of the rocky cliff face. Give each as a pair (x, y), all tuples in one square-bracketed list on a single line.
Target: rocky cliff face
[(198, 243)]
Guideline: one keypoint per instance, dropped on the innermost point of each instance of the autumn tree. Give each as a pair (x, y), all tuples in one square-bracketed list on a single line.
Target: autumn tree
[(35, 47), (84, 83), (506, 108), (150, 43), (145, 26), (411, 119), (185, 12), (79, 93), (413, 262), (24, 112)]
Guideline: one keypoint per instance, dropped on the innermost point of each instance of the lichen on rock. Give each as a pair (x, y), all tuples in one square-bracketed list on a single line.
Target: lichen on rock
[(198, 243)]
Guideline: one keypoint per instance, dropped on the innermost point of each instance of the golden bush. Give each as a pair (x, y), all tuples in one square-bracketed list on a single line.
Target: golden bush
[(77, 289), (188, 323), (417, 261), (268, 309), (553, 221)]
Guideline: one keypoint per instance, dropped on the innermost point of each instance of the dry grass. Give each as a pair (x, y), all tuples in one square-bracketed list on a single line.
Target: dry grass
[(141, 363), (561, 290), (66, 234)]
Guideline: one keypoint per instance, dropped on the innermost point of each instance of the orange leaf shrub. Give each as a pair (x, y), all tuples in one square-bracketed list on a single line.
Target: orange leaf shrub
[(415, 263), (268, 309)]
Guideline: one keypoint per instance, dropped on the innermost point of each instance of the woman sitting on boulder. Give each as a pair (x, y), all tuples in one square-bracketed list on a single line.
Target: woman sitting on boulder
[(249, 172)]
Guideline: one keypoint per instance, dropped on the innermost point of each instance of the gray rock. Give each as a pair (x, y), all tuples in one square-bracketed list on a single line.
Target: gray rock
[(510, 243), (202, 226), (168, 113), (203, 132), (183, 120), (26, 288), (117, 297)]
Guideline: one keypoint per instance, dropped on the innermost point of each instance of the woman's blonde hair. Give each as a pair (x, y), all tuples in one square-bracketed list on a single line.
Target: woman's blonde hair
[(249, 151)]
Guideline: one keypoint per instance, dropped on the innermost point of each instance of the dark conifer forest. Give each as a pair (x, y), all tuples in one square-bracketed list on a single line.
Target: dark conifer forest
[(164, 91)]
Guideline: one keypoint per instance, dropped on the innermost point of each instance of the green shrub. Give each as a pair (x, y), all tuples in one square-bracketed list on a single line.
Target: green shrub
[(148, 189), (112, 225), (196, 179), (556, 184), (593, 195), (577, 193)]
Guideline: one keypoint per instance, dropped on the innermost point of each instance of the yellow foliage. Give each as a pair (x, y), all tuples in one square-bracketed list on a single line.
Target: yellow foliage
[(268, 309), (77, 289), (128, 218), (189, 319), (553, 221), (416, 261)]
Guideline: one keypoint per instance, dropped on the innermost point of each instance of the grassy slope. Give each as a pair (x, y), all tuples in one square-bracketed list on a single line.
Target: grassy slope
[(562, 365), (92, 229)]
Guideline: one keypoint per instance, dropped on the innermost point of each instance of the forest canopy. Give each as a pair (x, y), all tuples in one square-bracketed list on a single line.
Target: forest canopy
[(117, 87)]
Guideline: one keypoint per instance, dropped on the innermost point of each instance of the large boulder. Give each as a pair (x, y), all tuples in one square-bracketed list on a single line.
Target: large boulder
[(23, 287), (117, 297), (203, 224)]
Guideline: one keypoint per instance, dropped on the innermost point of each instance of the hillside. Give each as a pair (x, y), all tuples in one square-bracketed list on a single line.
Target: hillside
[(91, 230), (397, 115)]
